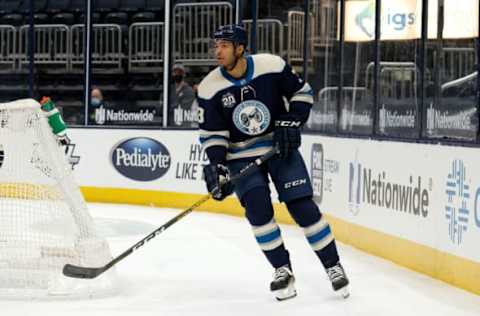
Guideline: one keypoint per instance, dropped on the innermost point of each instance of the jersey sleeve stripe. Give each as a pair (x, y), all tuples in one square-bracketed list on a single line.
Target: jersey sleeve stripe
[(302, 98), (305, 94), (212, 137), (255, 152), (267, 143), (250, 142), (205, 133), (214, 142)]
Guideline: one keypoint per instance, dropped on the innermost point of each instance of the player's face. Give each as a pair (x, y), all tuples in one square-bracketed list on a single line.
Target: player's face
[(224, 53)]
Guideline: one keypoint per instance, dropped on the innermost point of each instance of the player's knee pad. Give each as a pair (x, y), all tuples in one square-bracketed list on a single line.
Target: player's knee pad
[(258, 206), (304, 211)]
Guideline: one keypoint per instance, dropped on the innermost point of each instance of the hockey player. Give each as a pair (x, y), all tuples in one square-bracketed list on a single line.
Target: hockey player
[(247, 105)]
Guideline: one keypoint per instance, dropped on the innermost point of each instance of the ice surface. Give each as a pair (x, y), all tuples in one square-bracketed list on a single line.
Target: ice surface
[(209, 264)]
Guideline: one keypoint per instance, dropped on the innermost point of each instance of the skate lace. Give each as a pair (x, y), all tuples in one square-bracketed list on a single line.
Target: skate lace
[(281, 273), (335, 272)]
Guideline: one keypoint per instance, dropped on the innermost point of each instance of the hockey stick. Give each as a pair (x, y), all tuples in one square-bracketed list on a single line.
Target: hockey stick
[(74, 271)]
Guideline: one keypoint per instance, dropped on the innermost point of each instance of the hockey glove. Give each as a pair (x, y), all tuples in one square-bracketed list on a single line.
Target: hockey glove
[(287, 135), (217, 179), (63, 139)]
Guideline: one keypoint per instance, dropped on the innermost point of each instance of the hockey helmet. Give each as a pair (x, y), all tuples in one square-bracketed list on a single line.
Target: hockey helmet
[(234, 33)]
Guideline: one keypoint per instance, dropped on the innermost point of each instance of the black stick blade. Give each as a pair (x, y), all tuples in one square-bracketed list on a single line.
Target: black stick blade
[(81, 272)]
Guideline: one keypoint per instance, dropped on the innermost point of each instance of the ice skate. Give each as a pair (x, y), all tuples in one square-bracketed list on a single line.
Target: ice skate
[(339, 280), (283, 282)]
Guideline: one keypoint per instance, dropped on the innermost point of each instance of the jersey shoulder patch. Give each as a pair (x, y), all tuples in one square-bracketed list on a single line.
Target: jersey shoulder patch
[(212, 84), (267, 63)]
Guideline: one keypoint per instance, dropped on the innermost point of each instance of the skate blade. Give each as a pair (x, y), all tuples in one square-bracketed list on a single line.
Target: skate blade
[(285, 294)]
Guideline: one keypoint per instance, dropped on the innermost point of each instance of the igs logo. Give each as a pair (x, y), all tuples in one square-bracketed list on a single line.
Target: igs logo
[(458, 196), (141, 159)]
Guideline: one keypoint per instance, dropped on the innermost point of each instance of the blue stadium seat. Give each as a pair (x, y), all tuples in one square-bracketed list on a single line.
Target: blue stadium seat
[(120, 18), (63, 18), (55, 6), (106, 5), (96, 18), (40, 18), (9, 6), (132, 5), (143, 17), (14, 19)]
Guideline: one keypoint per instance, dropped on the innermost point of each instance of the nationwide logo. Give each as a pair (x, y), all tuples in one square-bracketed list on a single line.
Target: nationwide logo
[(349, 119), (182, 116), (366, 186), (437, 119), (103, 115), (141, 159), (458, 195), (393, 119)]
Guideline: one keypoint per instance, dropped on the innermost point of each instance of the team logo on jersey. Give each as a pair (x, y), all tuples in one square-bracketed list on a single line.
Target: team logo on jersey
[(251, 117), (228, 100)]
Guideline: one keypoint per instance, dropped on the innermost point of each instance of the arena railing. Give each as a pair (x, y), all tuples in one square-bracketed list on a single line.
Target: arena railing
[(145, 47), (295, 27), (269, 36), (193, 25), (107, 51), (459, 62), (8, 48), (51, 46), (325, 22)]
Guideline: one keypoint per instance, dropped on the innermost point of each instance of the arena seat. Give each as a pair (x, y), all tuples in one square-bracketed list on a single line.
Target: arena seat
[(106, 5), (55, 6), (120, 18), (63, 18), (41, 18), (143, 17), (8, 6), (132, 5), (96, 18), (13, 19)]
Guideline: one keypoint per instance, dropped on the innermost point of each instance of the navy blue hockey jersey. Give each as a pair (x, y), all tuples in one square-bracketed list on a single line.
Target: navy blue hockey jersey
[(239, 114)]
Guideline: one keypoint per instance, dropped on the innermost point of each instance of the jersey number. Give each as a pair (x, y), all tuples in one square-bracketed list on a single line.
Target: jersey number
[(200, 114)]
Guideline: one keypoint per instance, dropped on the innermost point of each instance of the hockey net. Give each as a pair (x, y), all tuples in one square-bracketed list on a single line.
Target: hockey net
[(44, 220)]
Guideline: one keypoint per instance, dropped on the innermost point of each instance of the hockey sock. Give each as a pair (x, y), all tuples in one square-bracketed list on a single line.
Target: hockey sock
[(316, 229), (259, 212)]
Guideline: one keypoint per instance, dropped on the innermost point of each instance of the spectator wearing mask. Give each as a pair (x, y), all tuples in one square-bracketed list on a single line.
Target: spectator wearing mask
[(182, 101), (96, 104)]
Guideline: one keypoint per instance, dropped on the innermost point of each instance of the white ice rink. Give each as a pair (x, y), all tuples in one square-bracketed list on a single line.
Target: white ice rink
[(209, 264)]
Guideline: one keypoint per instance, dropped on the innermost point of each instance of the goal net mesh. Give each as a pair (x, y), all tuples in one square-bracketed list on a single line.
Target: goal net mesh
[(44, 220)]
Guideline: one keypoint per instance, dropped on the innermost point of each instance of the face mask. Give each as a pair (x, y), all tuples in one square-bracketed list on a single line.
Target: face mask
[(95, 101), (177, 78)]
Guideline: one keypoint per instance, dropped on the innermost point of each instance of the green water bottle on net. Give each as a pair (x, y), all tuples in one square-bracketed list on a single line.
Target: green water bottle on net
[(55, 120)]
